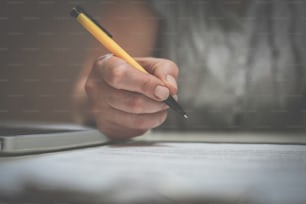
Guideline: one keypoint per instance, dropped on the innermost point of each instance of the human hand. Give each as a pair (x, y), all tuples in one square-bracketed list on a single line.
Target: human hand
[(126, 102)]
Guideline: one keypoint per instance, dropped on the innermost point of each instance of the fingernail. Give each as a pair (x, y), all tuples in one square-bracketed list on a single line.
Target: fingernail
[(161, 92), (171, 80), (104, 57)]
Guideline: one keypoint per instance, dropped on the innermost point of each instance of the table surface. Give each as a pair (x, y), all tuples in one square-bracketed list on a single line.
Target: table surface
[(155, 171)]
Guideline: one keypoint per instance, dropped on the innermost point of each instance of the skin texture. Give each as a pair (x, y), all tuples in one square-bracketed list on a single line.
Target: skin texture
[(120, 99), (126, 102)]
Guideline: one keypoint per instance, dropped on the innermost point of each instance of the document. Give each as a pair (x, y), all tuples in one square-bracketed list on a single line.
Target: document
[(160, 172)]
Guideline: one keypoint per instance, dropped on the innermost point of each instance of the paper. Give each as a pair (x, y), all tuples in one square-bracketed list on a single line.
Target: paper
[(146, 172)]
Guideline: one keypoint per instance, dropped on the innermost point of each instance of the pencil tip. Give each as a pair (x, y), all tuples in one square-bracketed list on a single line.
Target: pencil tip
[(186, 116)]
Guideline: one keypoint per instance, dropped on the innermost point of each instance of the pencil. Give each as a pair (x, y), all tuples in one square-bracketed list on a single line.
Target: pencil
[(105, 38)]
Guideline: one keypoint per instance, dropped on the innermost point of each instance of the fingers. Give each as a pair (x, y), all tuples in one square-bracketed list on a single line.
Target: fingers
[(124, 125), (116, 113), (165, 70), (120, 75), (126, 102), (136, 103)]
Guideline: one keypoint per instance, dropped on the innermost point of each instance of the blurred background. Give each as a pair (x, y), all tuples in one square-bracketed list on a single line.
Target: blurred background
[(42, 50)]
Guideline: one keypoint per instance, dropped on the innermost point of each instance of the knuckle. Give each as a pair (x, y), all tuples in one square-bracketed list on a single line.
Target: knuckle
[(136, 105), (116, 75), (98, 67), (90, 86), (98, 63), (103, 60), (168, 62), (147, 85), (171, 65)]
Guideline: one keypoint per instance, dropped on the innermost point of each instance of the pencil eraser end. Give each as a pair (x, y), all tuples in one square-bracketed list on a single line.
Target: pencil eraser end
[(76, 11)]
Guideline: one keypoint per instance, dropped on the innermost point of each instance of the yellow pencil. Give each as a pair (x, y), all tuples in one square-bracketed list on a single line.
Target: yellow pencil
[(105, 38)]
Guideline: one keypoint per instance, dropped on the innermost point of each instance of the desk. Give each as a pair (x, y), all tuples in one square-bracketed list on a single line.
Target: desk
[(144, 171)]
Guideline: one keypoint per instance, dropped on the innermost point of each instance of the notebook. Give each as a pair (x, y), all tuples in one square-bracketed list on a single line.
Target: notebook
[(19, 138)]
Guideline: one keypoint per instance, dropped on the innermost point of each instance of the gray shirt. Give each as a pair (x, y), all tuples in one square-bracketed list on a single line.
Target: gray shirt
[(243, 72)]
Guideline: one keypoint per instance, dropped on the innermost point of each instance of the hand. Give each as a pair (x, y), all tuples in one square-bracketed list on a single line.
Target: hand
[(126, 102)]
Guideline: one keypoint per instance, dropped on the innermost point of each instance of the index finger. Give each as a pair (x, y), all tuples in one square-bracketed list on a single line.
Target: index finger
[(120, 75), (166, 70)]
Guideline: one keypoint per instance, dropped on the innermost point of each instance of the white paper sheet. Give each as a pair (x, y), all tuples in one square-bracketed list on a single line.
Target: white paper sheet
[(146, 172)]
